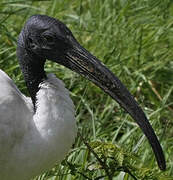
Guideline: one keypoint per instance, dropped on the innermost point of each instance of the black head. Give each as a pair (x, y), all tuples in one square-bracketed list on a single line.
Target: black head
[(44, 38)]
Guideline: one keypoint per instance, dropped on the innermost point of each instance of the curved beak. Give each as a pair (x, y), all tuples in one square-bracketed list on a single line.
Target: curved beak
[(81, 61)]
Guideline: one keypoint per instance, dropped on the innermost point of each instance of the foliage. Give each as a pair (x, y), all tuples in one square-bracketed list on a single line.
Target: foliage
[(135, 40)]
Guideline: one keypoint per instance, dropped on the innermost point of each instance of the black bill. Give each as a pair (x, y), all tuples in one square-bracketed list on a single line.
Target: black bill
[(81, 61)]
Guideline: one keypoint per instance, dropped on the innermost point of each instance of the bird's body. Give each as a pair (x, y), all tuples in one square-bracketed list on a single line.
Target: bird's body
[(35, 133), (33, 142)]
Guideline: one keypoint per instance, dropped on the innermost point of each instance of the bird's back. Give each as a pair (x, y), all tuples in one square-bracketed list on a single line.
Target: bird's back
[(14, 118)]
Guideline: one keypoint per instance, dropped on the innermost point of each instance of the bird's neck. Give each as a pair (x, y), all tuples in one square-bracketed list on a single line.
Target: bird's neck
[(32, 68)]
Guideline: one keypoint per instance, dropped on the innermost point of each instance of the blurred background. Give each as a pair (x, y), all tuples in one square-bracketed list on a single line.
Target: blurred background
[(135, 41)]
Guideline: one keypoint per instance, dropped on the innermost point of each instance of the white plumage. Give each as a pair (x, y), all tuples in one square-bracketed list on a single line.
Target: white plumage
[(32, 143)]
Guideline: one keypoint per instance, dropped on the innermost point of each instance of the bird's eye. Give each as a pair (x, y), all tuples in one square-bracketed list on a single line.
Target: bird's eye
[(48, 38)]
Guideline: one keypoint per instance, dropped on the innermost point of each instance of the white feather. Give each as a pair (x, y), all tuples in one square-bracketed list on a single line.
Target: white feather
[(32, 143)]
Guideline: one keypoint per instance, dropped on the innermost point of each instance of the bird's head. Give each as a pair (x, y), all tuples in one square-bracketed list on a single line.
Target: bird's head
[(44, 38)]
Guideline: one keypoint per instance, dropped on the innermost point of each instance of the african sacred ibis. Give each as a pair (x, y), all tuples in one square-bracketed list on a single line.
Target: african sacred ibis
[(35, 133)]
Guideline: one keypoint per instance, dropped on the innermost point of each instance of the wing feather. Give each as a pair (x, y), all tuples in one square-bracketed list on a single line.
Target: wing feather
[(14, 114)]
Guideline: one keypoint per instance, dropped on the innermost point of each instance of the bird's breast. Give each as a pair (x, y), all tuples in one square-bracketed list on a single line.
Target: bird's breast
[(55, 114), (54, 128)]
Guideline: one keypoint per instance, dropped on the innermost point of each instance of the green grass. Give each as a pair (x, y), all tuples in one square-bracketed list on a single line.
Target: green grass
[(135, 40)]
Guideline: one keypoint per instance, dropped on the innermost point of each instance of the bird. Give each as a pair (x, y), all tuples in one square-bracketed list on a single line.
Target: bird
[(38, 131)]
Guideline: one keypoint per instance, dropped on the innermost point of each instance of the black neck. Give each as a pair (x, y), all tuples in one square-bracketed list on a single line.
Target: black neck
[(32, 68)]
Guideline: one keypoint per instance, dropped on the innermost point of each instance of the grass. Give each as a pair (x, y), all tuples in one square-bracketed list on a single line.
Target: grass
[(135, 40)]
